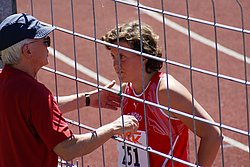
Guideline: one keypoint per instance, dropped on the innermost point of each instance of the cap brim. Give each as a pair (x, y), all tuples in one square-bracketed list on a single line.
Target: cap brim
[(43, 32)]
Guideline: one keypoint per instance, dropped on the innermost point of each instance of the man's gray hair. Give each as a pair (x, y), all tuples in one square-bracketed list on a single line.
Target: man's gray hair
[(12, 54)]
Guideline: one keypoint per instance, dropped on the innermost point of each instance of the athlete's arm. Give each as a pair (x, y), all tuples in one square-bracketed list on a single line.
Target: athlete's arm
[(181, 99)]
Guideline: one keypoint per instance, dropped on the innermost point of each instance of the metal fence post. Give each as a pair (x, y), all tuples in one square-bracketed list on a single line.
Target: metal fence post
[(7, 8)]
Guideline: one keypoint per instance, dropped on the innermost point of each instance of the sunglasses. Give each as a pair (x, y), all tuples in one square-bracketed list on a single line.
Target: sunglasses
[(46, 41)]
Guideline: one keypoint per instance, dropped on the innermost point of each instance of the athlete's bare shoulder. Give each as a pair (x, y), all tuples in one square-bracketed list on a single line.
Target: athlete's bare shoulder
[(167, 83), (166, 90)]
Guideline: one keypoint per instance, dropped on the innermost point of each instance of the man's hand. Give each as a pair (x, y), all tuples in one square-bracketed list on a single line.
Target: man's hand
[(108, 100), (125, 124)]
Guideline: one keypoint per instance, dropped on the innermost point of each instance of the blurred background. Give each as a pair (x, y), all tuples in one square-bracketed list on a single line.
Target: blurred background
[(206, 45)]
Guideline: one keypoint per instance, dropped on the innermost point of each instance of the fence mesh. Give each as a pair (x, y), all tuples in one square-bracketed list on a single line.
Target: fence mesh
[(205, 46)]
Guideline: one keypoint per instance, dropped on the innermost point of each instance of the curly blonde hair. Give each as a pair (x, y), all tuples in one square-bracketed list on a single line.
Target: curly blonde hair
[(130, 32)]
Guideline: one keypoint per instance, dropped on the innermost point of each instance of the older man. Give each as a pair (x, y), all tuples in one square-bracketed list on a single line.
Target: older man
[(32, 129)]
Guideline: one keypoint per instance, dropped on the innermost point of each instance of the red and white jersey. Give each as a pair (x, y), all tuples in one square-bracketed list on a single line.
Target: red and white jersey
[(163, 131)]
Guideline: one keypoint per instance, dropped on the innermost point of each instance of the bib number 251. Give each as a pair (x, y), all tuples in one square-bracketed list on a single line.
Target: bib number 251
[(132, 157)]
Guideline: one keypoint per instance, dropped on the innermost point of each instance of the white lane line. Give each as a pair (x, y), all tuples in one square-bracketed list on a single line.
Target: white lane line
[(193, 35), (236, 144), (80, 67), (105, 81)]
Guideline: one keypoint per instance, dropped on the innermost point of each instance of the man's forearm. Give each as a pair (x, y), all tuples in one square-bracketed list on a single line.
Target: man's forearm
[(71, 102), (79, 145)]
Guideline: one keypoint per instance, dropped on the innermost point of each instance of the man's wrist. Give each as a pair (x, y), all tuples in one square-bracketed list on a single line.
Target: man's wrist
[(87, 99)]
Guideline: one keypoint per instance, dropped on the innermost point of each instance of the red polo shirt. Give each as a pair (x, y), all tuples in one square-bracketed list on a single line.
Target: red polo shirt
[(31, 124)]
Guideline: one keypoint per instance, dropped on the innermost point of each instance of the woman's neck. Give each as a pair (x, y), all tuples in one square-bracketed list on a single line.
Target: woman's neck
[(138, 86)]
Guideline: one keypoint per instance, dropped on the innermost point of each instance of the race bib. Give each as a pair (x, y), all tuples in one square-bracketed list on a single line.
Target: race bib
[(130, 155)]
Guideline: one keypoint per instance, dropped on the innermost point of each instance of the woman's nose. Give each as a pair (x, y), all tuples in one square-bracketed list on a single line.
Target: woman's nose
[(117, 65)]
